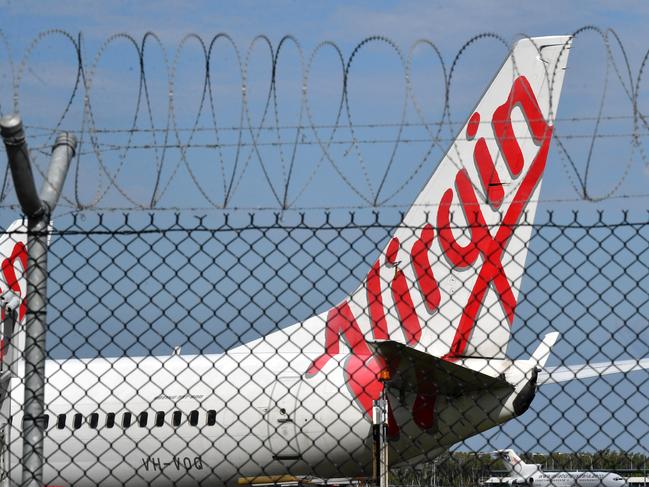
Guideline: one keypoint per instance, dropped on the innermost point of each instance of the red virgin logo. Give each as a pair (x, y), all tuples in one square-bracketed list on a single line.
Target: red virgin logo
[(12, 281), (488, 244)]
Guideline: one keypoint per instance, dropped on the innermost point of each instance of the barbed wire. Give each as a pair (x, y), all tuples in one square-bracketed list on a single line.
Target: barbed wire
[(284, 152)]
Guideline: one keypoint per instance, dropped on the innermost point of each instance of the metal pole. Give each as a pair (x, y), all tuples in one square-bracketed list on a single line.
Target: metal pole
[(62, 154), (13, 135), (38, 210), (36, 328), (384, 441), (377, 417), (380, 442), (435, 473)]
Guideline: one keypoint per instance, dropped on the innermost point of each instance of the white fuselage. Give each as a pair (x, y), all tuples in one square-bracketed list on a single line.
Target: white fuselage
[(192, 419), (187, 419), (521, 473), (578, 479)]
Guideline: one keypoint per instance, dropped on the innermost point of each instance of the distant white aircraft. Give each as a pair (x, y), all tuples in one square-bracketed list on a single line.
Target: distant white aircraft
[(521, 473), (434, 313)]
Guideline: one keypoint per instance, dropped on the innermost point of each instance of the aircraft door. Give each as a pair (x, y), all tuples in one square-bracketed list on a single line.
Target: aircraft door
[(283, 430)]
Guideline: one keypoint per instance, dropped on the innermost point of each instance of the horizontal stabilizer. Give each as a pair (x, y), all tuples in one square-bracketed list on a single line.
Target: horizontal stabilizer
[(564, 373), (541, 354), (418, 371)]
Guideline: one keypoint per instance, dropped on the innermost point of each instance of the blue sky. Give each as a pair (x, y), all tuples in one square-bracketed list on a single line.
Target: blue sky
[(315, 21), (49, 72)]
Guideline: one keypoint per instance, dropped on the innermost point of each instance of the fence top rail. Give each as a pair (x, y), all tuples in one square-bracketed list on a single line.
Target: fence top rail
[(139, 223)]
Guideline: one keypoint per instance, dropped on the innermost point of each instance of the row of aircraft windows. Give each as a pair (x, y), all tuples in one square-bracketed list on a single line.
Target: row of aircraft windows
[(128, 419)]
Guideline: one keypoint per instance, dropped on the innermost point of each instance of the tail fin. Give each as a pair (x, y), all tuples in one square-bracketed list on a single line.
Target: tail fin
[(514, 465), (448, 280), (13, 288), (13, 264)]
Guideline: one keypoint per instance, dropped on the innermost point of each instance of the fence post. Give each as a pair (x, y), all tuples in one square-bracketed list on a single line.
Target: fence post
[(380, 448), (38, 209)]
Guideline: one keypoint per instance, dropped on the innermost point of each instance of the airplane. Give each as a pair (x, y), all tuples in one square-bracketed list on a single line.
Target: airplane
[(521, 473), (428, 326)]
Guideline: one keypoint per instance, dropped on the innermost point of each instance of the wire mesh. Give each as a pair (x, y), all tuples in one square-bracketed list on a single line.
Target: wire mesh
[(208, 350)]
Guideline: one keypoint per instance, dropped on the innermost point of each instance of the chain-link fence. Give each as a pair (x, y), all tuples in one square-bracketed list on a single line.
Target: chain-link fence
[(216, 349)]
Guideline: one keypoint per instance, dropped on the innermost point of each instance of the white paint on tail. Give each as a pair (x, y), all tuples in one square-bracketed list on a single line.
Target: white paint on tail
[(516, 467), (449, 279), (13, 288)]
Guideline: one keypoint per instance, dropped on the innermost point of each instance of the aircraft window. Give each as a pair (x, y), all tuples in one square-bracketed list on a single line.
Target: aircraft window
[(94, 420), (78, 419), (193, 418), (46, 420), (60, 423), (142, 419), (110, 420), (126, 420), (160, 418), (177, 417), (211, 417)]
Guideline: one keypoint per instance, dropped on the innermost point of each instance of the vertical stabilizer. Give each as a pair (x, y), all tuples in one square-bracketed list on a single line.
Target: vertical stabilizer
[(449, 279), (13, 288), (516, 467)]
